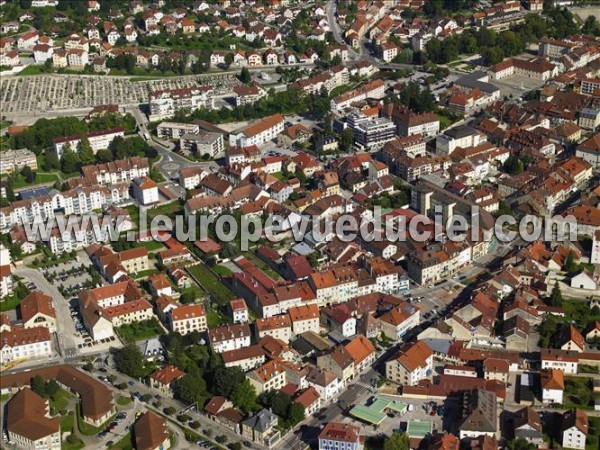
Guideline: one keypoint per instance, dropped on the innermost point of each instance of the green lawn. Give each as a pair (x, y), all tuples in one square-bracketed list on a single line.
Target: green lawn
[(209, 281), (9, 303), (126, 443), (60, 401), (580, 312), (67, 421), (152, 245), (593, 439), (123, 401), (170, 209), (579, 393), (44, 261), (32, 70), (138, 331), (20, 182), (222, 271), (145, 273)]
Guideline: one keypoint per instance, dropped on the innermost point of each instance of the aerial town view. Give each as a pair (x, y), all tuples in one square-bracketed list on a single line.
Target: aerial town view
[(300, 224)]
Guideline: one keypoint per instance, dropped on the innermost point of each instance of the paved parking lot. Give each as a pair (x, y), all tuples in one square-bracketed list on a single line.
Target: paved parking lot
[(516, 85)]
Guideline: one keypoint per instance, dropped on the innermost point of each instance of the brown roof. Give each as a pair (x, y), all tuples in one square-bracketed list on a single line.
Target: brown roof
[(414, 356), (96, 398), (167, 374), (26, 416), (576, 418), (341, 432), (552, 379), (187, 312), (304, 312), (360, 348), (254, 351), (150, 431), (496, 365), (262, 125), (307, 397), (37, 303), (22, 336)]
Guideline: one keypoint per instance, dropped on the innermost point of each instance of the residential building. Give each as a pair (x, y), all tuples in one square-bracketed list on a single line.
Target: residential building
[(553, 385), (304, 318), (6, 281), (575, 429), (259, 132), (25, 343), (175, 130), (15, 160), (528, 426), (186, 319), (37, 310), (479, 414), (99, 140), (338, 436), (229, 337), (145, 191), (371, 133), (269, 376), (151, 432), (277, 326), (260, 428), (29, 423), (246, 358), (164, 379), (164, 104), (413, 364)]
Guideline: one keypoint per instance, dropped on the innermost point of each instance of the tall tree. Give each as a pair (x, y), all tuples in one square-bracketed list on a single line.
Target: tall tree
[(397, 441), (245, 76), (130, 361), (70, 160), (38, 385), (86, 154), (556, 298), (244, 396), (191, 388)]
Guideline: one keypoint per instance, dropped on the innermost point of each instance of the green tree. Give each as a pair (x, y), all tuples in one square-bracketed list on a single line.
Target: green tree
[(130, 361), (346, 140), (70, 160), (556, 298), (225, 379), (38, 385), (28, 174), (52, 388), (570, 265), (245, 76), (244, 396), (397, 441), (86, 154), (191, 388), (280, 403), (295, 414), (513, 165), (520, 444)]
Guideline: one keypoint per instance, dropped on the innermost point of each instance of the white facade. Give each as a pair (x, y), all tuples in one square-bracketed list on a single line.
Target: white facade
[(552, 395), (574, 438)]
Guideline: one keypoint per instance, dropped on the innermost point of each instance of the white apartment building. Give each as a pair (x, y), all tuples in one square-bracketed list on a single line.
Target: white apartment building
[(340, 436), (145, 190), (553, 386), (166, 103), (575, 429), (119, 171), (175, 130), (187, 318), (15, 160), (269, 376), (304, 318), (6, 281), (279, 327), (229, 337), (25, 343), (204, 143), (99, 140), (462, 136), (413, 364), (568, 362), (258, 133)]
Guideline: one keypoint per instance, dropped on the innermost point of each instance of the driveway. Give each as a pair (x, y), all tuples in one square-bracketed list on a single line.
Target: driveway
[(65, 328)]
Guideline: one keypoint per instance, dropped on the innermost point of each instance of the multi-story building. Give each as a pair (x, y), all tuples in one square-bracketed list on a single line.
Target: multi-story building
[(374, 89), (409, 123), (119, 171), (340, 436), (247, 95), (204, 143), (269, 376), (462, 136), (279, 327), (335, 285), (25, 343), (575, 429), (175, 130), (29, 423), (399, 320), (37, 310), (479, 413), (371, 133), (187, 318), (304, 318), (145, 190), (99, 140), (589, 118), (590, 85), (553, 385), (229, 337), (15, 160), (238, 310), (6, 281), (164, 104), (413, 364), (259, 132), (246, 358)]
